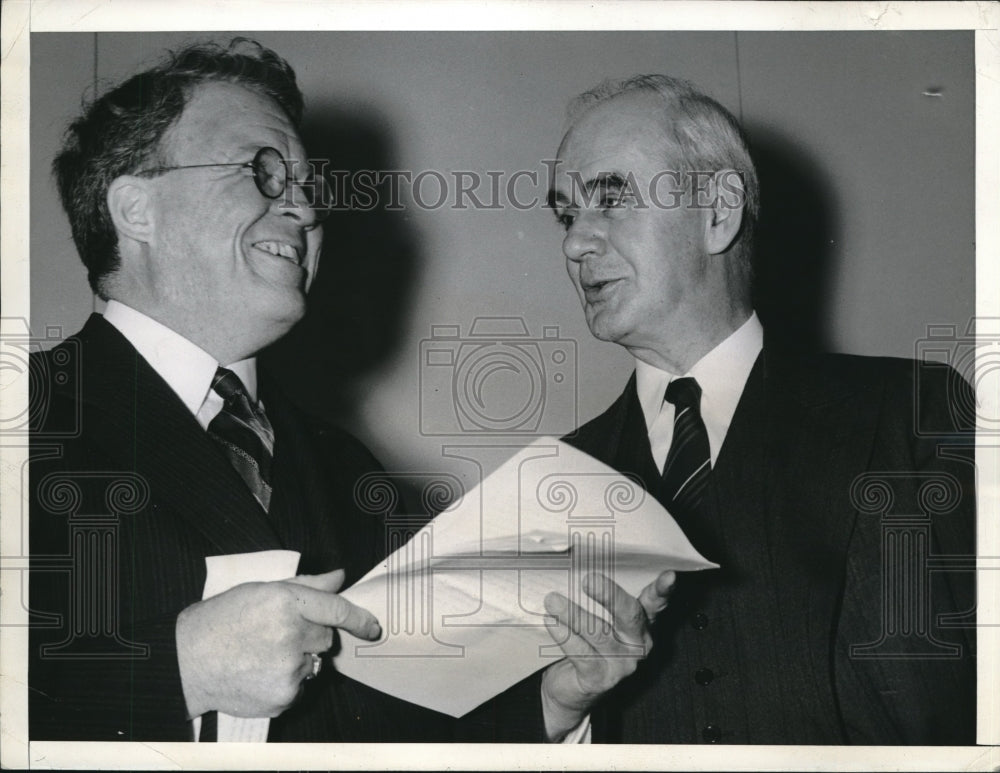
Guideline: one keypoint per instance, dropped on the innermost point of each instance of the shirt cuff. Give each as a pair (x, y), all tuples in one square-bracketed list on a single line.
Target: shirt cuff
[(579, 734)]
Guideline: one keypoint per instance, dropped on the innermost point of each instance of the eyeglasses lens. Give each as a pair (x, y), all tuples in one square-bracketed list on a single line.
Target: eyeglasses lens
[(270, 173)]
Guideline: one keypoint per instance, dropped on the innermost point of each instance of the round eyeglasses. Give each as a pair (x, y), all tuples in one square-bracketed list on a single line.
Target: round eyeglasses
[(271, 176)]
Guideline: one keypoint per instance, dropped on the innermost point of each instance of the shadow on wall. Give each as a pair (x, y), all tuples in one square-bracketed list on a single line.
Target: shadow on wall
[(796, 239), (359, 302)]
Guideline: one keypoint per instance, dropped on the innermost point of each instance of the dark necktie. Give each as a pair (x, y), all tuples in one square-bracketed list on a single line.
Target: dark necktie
[(686, 471), (245, 435)]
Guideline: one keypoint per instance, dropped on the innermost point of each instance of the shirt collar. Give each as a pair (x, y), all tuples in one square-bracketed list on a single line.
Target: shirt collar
[(722, 374), (187, 368)]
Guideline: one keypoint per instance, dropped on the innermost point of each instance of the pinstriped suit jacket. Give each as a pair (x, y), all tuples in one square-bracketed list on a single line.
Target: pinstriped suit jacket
[(191, 504), (823, 515)]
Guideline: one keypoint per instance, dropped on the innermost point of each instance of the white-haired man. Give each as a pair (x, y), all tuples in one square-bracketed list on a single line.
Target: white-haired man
[(759, 455)]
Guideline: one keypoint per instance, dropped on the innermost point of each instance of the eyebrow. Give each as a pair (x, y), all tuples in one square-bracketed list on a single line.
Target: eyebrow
[(601, 182)]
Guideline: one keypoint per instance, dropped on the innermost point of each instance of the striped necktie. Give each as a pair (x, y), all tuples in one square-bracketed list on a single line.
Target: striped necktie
[(688, 464), (245, 435)]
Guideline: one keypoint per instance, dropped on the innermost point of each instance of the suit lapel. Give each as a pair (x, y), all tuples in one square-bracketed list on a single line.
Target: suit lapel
[(735, 498), (820, 432), (139, 422), (618, 437), (633, 454), (301, 508)]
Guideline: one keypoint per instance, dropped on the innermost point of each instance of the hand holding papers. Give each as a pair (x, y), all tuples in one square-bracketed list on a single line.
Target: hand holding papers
[(462, 602), (221, 574), (246, 647), (598, 656)]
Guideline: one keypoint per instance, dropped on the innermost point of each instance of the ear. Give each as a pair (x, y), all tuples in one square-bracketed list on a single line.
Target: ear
[(130, 207), (728, 198)]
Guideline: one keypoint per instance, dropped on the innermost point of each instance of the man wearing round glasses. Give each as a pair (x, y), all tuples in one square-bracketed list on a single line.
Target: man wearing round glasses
[(198, 219), (199, 223), (232, 263)]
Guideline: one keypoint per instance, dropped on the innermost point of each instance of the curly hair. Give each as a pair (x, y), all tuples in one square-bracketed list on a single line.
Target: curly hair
[(121, 130)]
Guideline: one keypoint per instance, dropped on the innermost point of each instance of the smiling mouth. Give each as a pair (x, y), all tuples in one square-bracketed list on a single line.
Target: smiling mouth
[(281, 250)]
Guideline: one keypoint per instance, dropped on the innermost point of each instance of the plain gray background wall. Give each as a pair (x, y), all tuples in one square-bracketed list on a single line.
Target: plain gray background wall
[(866, 147)]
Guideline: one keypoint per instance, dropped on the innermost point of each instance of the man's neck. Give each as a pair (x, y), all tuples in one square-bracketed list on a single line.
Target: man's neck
[(186, 367), (678, 354), (224, 345)]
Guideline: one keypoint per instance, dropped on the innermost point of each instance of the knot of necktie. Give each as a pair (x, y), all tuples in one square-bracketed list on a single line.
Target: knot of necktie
[(230, 388), (245, 434), (227, 384), (683, 393)]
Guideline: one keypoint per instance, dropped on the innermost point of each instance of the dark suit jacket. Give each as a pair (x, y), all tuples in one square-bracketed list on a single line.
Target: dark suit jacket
[(123, 515), (816, 558)]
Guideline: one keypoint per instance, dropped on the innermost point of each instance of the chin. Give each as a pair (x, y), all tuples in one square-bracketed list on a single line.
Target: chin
[(278, 318), (604, 327), (288, 304), (282, 324)]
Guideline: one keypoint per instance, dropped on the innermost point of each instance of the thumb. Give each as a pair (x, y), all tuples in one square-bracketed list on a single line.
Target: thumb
[(329, 582), (654, 596)]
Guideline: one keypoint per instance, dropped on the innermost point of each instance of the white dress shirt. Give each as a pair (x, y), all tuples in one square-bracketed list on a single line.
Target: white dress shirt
[(722, 374), (187, 368)]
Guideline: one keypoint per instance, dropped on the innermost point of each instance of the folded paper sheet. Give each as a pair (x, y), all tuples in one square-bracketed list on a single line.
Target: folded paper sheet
[(461, 602)]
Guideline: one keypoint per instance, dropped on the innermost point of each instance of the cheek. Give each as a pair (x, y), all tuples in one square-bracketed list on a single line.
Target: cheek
[(630, 238), (573, 270)]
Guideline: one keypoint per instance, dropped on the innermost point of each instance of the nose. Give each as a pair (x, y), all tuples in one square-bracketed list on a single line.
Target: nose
[(585, 237), (296, 203)]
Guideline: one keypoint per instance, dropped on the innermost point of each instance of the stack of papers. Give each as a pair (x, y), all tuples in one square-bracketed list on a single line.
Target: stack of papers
[(461, 602)]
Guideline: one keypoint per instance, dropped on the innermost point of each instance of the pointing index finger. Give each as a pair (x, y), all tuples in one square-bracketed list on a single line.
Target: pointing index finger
[(334, 610)]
